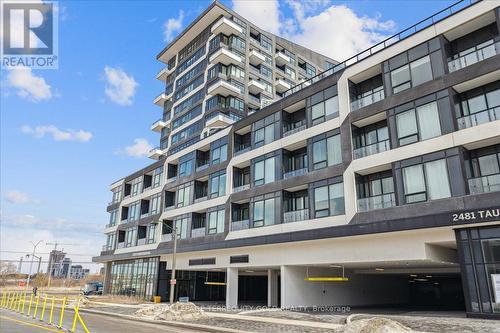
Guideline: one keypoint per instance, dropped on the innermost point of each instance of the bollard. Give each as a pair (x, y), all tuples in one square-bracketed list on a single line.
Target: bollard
[(51, 310), (36, 306), (44, 306), (62, 312), (29, 307)]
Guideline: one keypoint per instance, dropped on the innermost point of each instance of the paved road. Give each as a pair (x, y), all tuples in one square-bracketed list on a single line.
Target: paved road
[(11, 322)]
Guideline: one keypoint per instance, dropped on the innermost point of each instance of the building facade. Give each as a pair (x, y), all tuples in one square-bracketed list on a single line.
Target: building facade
[(55, 259), (77, 272), (383, 171)]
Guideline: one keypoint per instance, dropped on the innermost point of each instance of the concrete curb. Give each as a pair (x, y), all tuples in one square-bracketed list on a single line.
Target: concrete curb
[(200, 327)]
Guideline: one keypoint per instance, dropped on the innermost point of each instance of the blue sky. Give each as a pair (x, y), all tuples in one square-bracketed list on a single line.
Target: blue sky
[(64, 132)]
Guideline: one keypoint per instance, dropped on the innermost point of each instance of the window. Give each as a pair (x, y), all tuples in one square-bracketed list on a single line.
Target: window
[(426, 181), (264, 171), (324, 110), (216, 221), (157, 173), (327, 152), (155, 204), (151, 234), (130, 237), (219, 154), (113, 217), (110, 242), (329, 200), (134, 211), (186, 168), (117, 194), (136, 186), (183, 195), (217, 185), (264, 135), (181, 227), (412, 74), (263, 212), (418, 124)]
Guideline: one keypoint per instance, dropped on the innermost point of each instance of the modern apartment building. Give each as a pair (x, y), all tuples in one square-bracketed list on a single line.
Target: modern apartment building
[(375, 182)]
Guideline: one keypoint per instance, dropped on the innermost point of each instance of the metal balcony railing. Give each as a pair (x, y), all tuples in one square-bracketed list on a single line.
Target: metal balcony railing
[(296, 215), (374, 148), (484, 184), (241, 188), (198, 232), (294, 130), (423, 24), (368, 99), (166, 237), (295, 173), (376, 202), (240, 225), (479, 118), (242, 149), (472, 56)]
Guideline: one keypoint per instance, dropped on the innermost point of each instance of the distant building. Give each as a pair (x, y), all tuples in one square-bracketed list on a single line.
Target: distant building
[(55, 259), (64, 268), (77, 272)]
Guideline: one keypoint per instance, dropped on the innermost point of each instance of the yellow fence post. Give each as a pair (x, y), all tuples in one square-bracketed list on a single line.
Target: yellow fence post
[(36, 306), (51, 310), (29, 307), (62, 312), (13, 303), (44, 306), (24, 301), (3, 299), (82, 323), (77, 304)]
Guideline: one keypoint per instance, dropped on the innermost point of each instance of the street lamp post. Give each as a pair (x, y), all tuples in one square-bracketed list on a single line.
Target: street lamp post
[(172, 277), (31, 263)]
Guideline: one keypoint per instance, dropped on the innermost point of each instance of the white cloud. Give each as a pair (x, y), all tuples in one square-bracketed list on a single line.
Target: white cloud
[(57, 134), (28, 85), (140, 148), (172, 26), (263, 13), (333, 30), (17, 197), (120, 87)]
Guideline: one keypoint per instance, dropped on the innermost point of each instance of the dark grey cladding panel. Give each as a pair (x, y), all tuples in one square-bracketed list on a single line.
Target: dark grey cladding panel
[(197, 174), (147, 169), (442, 83), (310, 177)]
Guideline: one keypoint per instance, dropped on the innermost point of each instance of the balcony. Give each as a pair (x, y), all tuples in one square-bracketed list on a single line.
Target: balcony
[(294, 130), (120, 245), (240, 225), (201, 199), (254, 101), (368, 99), (226, 27), (479, 118), (162, 98), (485, 184), (473, 55), (158, 125), (374, 148), (162, 75), (198, 232), (226, 57), (282, 85), (256, 58), (295, 173), (155, 153), (255, 87), (223, 88), (296, 216), (141, 241), (281, 59), (241, 188), (376, 202), (221, 120)]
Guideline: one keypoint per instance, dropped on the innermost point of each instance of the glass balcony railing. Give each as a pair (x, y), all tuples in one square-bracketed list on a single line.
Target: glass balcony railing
[(374, 148), (296, 215), (291, 131), (166, 237), (485, 184), (473, 55), (198, 232), (376, 202), (479, 118), (240, 225), (241, 188), (241, 149), (363, 101), (200, 199), (295, 173), (120, 245), (171, 179), (141, 241)]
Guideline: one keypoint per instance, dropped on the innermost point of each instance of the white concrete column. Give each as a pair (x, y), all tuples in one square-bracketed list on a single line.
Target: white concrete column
[(284, 282), (272, 288), (232, 287)]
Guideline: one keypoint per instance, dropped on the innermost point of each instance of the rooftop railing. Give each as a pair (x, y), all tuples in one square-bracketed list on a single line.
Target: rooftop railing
[(419, 26)]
